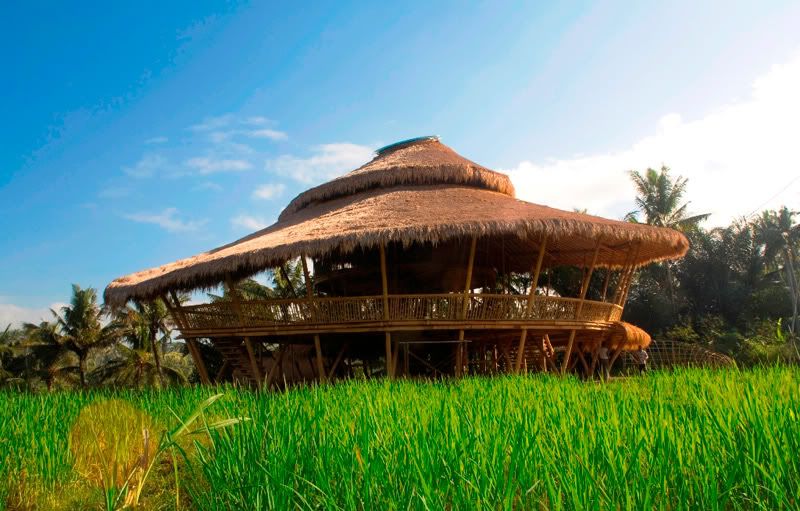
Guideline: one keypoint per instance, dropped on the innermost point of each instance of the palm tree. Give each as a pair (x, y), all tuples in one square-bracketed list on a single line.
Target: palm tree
[(48, 353), (141, 325), (81, 328), (139, 367), (659, 198), (780, 237)]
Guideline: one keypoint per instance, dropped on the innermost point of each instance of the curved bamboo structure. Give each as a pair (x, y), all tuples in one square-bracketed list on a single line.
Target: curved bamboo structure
[(412, 257)]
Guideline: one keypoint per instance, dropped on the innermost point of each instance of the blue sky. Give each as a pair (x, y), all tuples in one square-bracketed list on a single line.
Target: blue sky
[(135, 134)]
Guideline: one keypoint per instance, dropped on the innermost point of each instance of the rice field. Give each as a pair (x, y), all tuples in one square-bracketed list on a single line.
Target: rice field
[(693, 439)]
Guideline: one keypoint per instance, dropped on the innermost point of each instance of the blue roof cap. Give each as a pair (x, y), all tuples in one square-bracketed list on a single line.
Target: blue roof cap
[(404, 143)]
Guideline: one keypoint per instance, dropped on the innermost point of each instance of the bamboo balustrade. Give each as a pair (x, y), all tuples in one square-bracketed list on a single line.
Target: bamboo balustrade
[(295, 313)]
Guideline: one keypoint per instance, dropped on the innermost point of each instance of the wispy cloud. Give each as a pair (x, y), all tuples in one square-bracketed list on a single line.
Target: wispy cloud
[(257, 120), (213, 123), (157, 140), (147, 166), (269, 191), (167, 220), (209, 165), (267, 133), (736, 158), (249, 222), (225, 127), (326, 162)]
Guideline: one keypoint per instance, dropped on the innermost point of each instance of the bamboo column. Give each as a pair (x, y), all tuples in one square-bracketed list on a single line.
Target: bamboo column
[(534, 282), (465, 305), (385, 292), (180, 319), (584, 288), (237, 307), (310, 296)]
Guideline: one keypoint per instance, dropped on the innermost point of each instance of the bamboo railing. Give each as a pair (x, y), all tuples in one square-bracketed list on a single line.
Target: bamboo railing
[(401, 308)]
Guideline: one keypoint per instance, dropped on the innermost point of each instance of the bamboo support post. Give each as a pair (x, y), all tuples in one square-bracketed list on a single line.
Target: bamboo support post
[(251, 354), (385, 296), (465, 305), (320, 364), (226, 364), (273, 371), (306, 277), (288, 281), (180, 319), (202, 371), (336, 362), (534, 282), (584, 288)]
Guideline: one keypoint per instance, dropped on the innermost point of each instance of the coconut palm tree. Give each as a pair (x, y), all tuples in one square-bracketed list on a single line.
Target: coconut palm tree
[(81, 328), (142, 324), (47, 353), (659, 198), (780, 237), (137, 368)]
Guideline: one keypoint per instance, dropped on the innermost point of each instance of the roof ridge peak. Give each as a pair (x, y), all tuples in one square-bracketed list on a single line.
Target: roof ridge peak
[(418, 161)]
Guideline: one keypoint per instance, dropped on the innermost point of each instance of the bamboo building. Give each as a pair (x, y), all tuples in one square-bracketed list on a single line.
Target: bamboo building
[(406, 261)]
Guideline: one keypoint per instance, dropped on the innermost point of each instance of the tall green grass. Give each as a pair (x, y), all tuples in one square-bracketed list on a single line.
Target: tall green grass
[(693, 439)]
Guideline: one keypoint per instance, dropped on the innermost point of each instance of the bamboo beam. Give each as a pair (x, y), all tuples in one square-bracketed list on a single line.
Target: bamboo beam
[(237, 306), (385, 296), (288, 281), (306, 277), (338, 359), (579, 308), (534, 282), (468, 283), (395, 358), (459, 353), (630, 278), (320, 364), (180, 320), (605, 284), (520, 350), (198, 361), (226, 364), (273, 371), (465, 305)]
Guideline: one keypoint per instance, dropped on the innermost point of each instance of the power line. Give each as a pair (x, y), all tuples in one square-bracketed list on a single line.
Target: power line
[(790, 183)]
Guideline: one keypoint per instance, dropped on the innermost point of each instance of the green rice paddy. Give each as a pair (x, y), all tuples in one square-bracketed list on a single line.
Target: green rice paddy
[(694, 439)]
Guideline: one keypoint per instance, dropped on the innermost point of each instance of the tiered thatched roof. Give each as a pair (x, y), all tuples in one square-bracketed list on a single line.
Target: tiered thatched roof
[(421, 191)]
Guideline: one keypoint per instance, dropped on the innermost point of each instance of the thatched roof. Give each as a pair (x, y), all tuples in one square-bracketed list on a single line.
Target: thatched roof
[(418, 192), (631, 337)]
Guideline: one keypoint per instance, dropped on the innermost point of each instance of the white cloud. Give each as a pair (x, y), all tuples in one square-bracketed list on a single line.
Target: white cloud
[(15, 315), (213, 123), (269, 191), (157, 140), (248, 222), (257, 120), (267, 133), (207, 165), (327, 162), (736, 158), (147, 166), (167, 220)]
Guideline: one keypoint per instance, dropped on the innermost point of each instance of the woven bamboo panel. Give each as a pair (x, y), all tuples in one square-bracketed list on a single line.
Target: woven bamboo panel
[(442, 307)]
